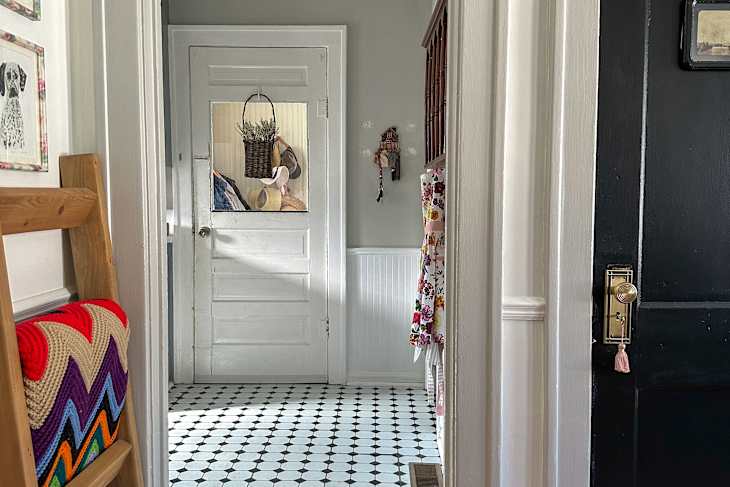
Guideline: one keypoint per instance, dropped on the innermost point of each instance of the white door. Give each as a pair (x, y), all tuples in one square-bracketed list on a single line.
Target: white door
[(260, 276)]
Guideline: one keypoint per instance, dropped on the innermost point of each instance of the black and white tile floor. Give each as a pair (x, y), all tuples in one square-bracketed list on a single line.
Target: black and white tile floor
[(298, 435)]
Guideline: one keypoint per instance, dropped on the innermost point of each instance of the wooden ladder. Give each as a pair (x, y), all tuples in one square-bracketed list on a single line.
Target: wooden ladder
[(79, 207)]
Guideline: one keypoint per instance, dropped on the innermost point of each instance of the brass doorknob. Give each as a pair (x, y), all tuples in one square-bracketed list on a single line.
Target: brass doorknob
[(625, 293)]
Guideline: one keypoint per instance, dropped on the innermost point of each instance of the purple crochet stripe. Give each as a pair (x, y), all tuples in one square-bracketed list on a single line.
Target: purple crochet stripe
[(72, 387)]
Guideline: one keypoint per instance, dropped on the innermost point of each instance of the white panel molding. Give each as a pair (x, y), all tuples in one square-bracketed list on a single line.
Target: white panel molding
[(41, 303), (262, 329), (523, 308), (382, 289), (259, 75)]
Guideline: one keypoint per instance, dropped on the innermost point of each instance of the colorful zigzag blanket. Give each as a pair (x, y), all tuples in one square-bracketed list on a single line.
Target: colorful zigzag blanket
[(74, 363)]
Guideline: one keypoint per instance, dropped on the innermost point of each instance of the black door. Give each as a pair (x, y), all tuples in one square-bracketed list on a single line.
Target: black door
[(663, 207)]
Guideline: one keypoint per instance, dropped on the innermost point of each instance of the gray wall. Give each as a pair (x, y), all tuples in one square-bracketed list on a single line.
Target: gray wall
[(385, 87)]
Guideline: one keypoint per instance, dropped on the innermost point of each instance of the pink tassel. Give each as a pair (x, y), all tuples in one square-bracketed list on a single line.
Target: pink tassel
[(621, 362)]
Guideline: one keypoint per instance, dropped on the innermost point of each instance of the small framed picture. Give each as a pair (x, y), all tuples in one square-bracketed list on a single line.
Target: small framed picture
[(706, 34), (23, 137), (27, 8)]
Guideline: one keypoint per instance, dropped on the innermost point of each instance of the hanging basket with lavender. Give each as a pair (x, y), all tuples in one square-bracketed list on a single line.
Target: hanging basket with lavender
[(258, 141)]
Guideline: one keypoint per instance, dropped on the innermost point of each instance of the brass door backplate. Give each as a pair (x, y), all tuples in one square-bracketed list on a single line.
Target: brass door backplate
[(620, 295)]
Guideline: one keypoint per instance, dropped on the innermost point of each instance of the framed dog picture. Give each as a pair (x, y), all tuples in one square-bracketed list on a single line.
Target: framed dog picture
[(23, 137), (28, 8), (706, 34)]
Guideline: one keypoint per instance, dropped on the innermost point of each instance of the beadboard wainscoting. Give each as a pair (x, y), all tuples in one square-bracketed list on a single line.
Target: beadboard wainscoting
[(381, 290)]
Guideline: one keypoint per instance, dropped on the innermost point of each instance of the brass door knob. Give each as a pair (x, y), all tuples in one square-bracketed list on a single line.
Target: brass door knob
[(625, 293)]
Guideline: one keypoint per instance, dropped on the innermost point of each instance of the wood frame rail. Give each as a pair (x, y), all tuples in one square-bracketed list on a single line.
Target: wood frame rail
[(435, 43), (79, 207)]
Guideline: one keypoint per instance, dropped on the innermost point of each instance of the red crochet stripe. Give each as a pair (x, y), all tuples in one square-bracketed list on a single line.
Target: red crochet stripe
[(33, 349), (32, 343)]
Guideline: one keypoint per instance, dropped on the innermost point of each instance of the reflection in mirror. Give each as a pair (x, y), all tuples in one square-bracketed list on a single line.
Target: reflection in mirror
[(286, 187)]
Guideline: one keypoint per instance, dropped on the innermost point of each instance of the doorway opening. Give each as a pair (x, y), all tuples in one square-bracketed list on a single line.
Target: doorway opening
[(291, 362)]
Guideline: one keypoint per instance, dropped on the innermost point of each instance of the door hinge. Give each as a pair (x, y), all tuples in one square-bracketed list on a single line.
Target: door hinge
[(323, 108), (327, 326)]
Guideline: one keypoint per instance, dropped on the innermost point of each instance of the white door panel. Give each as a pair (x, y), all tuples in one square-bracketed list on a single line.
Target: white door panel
[(262, 287), (271, 264), (251, 243), (260, 277), (261, 323)]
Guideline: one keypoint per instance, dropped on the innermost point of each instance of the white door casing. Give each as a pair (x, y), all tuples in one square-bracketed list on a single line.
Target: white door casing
[(260, 277), (324, 44)]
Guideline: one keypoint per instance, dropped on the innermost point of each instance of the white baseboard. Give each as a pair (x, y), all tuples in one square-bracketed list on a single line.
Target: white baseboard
[(262, 379), (395, 385), (41, 303), (395, 379)]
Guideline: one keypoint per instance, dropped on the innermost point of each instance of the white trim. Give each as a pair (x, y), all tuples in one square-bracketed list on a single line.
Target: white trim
[(498, 114), (476, 88), (152, 133), (570, 245), (333, 38), (41, 303), (523, 308)]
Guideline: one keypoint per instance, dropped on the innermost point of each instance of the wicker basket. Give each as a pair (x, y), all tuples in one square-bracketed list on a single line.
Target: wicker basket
[(258, 154)]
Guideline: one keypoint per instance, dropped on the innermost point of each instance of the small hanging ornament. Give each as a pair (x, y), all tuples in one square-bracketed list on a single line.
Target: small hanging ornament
[(621, 361), (387, 156)]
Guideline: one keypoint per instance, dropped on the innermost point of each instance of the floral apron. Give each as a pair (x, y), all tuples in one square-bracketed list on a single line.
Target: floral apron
[(427, 329)]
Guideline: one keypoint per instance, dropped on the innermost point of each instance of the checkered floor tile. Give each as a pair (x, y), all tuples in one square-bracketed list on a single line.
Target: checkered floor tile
[(298, 435)]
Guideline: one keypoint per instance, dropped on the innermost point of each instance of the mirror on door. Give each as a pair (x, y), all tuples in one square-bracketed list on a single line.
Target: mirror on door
[(260, 155)]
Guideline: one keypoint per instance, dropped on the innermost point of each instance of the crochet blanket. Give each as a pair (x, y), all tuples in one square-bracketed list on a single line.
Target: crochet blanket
[(74, 363)]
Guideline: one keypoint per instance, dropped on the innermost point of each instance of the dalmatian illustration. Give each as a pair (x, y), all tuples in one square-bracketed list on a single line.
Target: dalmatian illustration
[(12, 84)]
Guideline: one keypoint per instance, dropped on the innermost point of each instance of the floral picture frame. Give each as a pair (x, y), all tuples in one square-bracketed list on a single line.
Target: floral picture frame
[(23, 132), (26, 8)]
